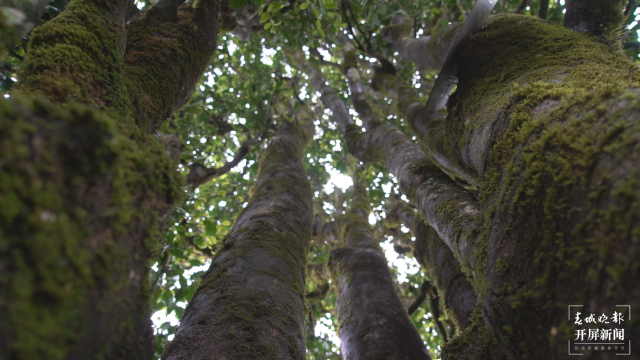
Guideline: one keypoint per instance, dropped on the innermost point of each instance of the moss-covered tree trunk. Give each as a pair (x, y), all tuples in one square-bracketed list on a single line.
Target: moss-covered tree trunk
[(250, 303), (85, 191), (372, 322), (559, 179)]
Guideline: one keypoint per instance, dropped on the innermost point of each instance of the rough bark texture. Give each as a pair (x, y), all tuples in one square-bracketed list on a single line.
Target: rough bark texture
[(250, 303), (372, 322), (440, 265), (167, 52), (602, 18), (86, 194), (559, 180), (432, 133), (77, 57), (83, 200)]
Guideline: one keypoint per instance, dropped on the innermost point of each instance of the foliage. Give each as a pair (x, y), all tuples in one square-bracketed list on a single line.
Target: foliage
[(245, 95)]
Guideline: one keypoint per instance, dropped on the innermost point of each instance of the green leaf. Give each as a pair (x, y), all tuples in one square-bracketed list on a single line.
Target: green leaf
[(226, 223), (264, 18), (199, 241), (237, 3), (210, 227), (304, 6), (267, 26)]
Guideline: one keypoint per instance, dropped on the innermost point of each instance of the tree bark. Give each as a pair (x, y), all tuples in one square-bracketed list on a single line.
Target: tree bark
[(84, 200), (559, 176), (372, 322), (427, 52), (449, 208), (601, 18), (250, 303), (86, 192), (439, 264), (77, 57), (185, 35)]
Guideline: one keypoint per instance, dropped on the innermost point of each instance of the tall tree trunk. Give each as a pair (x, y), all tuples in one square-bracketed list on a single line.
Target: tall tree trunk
[(559, 176), (250, 303), (439, 264), (372, 322), (85, 192), (449, 208)]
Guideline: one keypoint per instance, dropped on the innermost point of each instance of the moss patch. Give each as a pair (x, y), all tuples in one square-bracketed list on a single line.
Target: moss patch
[(81, 196)]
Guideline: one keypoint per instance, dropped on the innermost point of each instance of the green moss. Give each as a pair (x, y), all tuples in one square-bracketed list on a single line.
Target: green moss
[(77, 57), (477, 341), (561, 183), (160, 85), (77, 189)]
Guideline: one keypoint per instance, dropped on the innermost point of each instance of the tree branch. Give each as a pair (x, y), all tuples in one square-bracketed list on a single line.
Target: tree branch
[(184, 33), (200, 175)]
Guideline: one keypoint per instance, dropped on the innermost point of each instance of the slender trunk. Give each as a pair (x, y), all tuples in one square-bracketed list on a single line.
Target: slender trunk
[(372, 322), (250, 303), (544, 9), (439, 264), (449, 208), (86, 192)]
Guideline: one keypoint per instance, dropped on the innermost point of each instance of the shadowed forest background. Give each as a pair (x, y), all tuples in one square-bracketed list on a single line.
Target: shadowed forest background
[(115, 202)]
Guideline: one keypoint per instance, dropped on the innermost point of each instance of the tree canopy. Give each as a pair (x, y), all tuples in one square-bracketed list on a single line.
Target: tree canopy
[(252, 85)]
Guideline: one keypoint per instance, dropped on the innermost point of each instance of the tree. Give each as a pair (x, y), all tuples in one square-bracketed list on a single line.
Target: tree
[(527, 179)]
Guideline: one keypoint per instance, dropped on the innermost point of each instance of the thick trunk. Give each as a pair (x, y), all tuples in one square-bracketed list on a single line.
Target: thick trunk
[(88, 194), (439, 264), (84, 198), (250, 303), (560, 176), (372, 322)]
